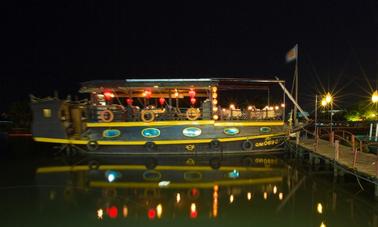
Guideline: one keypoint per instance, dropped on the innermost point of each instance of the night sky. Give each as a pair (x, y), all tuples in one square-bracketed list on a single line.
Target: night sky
[(49, 46)]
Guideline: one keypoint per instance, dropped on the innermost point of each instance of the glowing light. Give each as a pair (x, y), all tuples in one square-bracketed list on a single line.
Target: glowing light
[(215, 102), (192, 93), (215, 117), (151, 214), (147, 93), (193, 101), (282, 105), (129, 101), (100, 214), (112, 175), (125, 211), (224, 110), (159, 210), (108, 95), (276, 107), (112, 211), (231, 198), (250, 107), (215, 95), (232, 106), (322, 224), (265, 195), (274, 189), (280, 195), (374, 96), (215, 109), (234, 174), (162, 101), (319, 208), (271, 108), (194, 192), (215, 201), (214, 89), (156, 86), (176, 93), (323, 102), (178, 197), (328, 98), (193, 210), (164, 183), (249, 196)]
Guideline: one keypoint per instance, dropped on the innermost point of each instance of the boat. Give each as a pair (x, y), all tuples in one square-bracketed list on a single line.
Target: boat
[(164, 116)]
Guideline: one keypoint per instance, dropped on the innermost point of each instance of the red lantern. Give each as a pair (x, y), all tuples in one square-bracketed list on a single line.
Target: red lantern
[(129, 101), (192, 93), (148, 93), (162, 101), (193, 101), (112, 211), (151, 213), (108, 95)]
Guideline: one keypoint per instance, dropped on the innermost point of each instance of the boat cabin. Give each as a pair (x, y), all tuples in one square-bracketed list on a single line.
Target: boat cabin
[(148, 100)]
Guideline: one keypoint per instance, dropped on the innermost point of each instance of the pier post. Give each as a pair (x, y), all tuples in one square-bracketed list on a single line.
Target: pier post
[(331, 138), (337, 155), (354, 149), (297, 136)]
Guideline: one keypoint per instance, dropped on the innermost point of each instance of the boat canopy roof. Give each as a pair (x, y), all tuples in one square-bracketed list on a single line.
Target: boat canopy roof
[(201, 83)]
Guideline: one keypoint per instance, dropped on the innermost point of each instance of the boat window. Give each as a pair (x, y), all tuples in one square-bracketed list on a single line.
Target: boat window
[(46, 113)]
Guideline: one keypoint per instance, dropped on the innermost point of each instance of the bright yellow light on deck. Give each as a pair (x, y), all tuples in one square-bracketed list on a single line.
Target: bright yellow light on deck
[(283, 105), (274, 189), (232, 106), (249, 107), (328, 98), (319, 208), (214, 89), (215, 117), (249, 196), (215, 109), (265, 195), (276, 107), (374, 97), (178, 198), (215, 102), (159, 210), (100, 214), (193, 207), (322, 224), (231, 198), (280, 195)]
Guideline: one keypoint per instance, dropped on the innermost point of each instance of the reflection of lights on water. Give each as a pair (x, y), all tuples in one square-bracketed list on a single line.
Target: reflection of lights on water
[(193, 210), (112, 211), (322, 224), (265, 195), (249, 196), (164, 183), (125, 211), (231, 198), (274, 189), (319, 208), (178, 197), (100, 214), (159, 210), (215, 201), (151, 213), (280, 196)]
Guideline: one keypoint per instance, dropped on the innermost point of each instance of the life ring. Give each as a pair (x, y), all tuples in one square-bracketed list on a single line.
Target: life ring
[(215, 145), (92, 145), (150, 146), (247, 145), (193, 114), (106, 116), (144, 115)]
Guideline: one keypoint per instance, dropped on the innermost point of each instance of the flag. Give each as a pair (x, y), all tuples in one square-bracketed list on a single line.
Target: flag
[(292, 54)]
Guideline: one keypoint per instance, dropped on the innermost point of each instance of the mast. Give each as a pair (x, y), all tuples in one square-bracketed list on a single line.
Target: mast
[(296, 85)]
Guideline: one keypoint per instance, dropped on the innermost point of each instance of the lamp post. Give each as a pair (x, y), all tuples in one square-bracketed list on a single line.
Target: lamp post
[(329, 100)]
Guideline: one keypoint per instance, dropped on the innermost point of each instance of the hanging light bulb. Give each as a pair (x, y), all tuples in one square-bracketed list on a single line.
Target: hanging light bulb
[(162, 101)]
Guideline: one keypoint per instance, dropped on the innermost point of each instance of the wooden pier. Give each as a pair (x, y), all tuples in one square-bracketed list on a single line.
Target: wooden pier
[(344, 150)]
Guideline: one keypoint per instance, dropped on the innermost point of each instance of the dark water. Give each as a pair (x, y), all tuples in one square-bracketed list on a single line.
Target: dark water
[(39, 187)]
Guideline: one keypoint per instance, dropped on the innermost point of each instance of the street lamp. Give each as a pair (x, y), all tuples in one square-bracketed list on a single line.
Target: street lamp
[(374, 96), (328, 98)]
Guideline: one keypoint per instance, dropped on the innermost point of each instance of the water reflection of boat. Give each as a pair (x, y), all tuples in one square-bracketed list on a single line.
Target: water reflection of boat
[(163, 116), (166, 191)]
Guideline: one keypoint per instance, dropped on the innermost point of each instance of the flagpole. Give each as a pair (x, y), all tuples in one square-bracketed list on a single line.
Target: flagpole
[(296, 85)]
